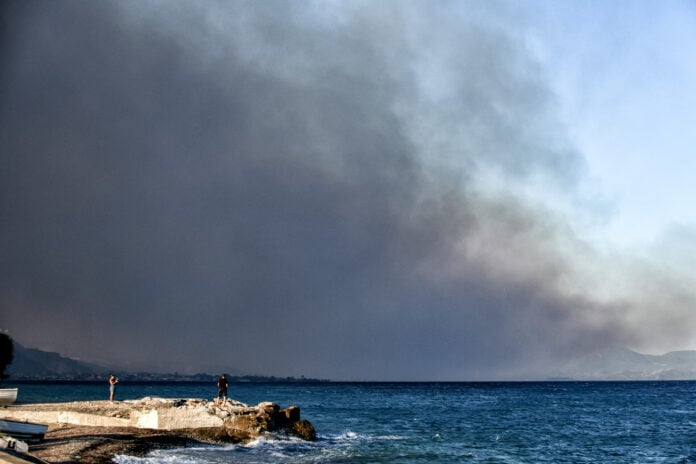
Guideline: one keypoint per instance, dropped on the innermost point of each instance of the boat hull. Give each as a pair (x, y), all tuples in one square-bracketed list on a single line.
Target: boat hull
[(12, 444), (8, 395), (27, 431)]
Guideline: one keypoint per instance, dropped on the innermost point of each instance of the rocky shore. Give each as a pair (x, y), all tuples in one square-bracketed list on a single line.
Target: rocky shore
[(92, 432)]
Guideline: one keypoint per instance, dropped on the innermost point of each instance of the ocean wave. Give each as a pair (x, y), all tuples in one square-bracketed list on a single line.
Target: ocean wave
[(158, 457), (353, 436)]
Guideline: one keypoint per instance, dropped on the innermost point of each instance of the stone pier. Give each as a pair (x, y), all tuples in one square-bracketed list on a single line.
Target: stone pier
[(92, 432), (230, 421)]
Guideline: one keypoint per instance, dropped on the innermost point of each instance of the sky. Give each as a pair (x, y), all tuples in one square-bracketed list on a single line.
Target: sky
[(351, 190)]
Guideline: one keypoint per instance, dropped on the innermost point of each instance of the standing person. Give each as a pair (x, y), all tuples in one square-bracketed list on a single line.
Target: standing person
[(113, 380), (222, 388)]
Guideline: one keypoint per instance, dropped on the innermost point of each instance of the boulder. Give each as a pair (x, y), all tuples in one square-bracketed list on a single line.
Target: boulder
[(303, 429)]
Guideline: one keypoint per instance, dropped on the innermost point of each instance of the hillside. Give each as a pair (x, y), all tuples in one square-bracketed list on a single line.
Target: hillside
[(624, 364), (613, 364), (30, 363)]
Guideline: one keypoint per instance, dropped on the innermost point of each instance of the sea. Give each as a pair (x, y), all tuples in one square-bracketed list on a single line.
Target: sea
[(482, 422)]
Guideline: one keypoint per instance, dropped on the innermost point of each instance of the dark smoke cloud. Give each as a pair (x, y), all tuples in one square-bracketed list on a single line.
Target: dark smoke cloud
[(284, 188)]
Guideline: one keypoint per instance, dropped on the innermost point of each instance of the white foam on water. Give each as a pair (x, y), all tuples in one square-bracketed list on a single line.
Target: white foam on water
[(352, 436), (345, 436), (158, 457), (271, 439), (123, 459), (266, 448)]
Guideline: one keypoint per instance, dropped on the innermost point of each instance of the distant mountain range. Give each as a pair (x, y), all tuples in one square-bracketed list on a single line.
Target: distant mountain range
[(624, 364), (30, 364), (613, 364)]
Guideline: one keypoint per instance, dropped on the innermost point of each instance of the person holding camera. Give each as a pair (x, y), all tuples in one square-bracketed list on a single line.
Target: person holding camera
[(113, 380)]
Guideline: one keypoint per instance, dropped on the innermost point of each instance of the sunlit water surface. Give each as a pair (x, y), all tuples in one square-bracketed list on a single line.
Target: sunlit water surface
[(545, 422)]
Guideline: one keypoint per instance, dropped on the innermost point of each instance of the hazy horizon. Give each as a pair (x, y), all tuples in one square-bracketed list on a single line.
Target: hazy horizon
[(612, 364)]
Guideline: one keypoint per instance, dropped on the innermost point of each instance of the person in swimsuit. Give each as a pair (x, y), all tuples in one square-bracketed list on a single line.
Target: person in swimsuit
[(112, 386)]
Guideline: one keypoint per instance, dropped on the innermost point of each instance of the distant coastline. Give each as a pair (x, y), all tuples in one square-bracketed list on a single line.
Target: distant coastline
[(614, 364), (146, 377), (34, 365)]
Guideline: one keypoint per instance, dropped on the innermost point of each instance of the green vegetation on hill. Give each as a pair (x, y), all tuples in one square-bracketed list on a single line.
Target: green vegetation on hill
[(31, 365), (6, 353)]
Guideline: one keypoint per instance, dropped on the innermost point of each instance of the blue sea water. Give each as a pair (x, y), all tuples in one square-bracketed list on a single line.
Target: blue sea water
[(526, 422)]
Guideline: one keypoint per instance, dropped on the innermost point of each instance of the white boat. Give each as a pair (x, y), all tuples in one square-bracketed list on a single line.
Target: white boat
[(27, 431), (11, 444), (8, 395)]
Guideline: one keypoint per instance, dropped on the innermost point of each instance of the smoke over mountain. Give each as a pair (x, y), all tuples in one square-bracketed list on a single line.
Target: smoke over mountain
[(351, 190)]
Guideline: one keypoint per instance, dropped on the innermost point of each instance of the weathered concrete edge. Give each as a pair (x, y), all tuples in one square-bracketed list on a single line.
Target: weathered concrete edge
[(150, 418), (231, 420), (67, 417)]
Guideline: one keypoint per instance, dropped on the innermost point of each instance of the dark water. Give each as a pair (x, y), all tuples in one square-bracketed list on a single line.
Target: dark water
[(545, 422)]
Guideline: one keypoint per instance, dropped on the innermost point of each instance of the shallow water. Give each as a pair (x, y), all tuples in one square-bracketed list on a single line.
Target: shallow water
[(544, 422)]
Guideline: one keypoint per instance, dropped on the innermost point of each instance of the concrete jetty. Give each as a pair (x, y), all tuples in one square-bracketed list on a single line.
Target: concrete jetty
[(230, 421), (93, 431)]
